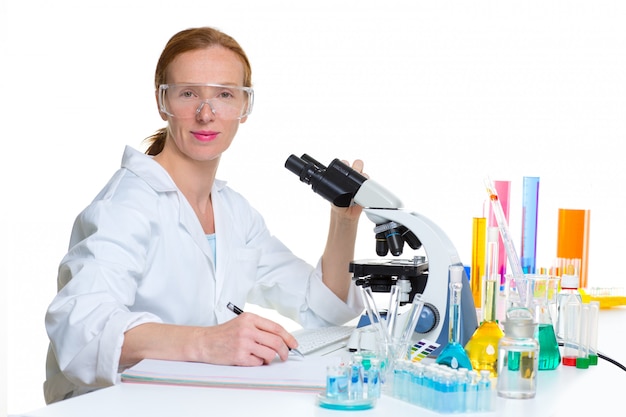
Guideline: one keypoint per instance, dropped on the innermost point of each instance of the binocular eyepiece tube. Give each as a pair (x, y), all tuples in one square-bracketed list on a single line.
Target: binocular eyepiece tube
[(337, 183)]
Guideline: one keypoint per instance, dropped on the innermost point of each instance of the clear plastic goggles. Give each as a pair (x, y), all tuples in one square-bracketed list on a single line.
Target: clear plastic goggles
[(186, 101)]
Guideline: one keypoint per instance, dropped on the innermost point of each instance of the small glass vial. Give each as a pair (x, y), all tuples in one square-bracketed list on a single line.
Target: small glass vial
[(518, 356), (373, 379), (337, 381)]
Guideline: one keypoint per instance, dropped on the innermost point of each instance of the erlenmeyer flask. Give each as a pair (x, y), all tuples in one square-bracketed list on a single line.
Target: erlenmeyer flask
[(541, 294)]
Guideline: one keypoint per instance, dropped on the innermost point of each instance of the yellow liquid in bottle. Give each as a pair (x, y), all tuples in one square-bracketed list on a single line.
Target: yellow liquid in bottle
[(482, 348)]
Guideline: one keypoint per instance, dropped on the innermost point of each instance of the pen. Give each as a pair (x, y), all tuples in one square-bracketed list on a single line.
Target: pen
[(234, 308), (238, 311)]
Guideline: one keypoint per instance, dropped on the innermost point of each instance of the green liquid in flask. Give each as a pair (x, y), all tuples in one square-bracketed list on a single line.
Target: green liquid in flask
[(549, 354)]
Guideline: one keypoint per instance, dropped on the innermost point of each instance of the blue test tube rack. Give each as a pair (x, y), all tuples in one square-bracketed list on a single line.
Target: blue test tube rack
[(442, 389)]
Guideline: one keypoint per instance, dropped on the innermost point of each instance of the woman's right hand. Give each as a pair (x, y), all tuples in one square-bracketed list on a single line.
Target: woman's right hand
[(246, 340)]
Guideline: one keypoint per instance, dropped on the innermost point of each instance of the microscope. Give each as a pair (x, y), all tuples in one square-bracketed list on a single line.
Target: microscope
[(394, 226)]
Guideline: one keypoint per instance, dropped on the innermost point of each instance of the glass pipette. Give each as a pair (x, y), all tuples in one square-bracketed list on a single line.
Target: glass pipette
[(503, 226)]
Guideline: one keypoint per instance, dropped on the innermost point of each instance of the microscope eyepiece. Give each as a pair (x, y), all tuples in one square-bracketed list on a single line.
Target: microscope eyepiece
[(337, 183)]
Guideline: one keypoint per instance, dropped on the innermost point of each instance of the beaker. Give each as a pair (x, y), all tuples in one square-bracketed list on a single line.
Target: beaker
[(538, 293)]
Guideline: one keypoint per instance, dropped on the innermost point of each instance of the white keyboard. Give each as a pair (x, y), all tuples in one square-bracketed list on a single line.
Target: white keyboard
[(311, 340)]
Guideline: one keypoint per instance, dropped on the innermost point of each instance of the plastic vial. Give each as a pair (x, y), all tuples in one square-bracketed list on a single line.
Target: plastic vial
[(582, 361), (570, 316), (594, 312), (518, 356), (569, 287)]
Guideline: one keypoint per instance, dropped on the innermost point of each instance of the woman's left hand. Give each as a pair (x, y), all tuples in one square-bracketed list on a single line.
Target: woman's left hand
[(353, 212)]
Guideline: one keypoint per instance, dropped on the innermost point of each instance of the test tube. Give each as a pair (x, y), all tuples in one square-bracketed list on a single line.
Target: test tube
[(530, 206), (409, 326), (392, 312), (479, 227), (594, 313)]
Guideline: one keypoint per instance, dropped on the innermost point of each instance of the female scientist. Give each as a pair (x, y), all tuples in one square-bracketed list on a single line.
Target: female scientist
[(154, 260)]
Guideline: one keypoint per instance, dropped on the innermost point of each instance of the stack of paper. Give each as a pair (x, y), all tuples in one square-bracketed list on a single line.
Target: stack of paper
[(307, 374)]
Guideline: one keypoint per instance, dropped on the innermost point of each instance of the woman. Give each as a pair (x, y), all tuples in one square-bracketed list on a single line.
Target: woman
[(154, 260)]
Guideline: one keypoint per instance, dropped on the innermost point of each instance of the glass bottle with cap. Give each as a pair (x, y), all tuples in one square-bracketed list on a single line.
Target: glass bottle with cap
[(518, 356)]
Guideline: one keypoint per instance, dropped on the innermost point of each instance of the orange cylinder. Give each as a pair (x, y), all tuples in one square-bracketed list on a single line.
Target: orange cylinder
[(573, 239)]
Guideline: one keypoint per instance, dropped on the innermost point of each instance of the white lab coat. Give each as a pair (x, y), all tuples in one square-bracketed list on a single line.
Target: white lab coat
[(138, 254)]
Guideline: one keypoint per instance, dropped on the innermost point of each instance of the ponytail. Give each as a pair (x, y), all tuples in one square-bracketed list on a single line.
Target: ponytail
[(156, 142)]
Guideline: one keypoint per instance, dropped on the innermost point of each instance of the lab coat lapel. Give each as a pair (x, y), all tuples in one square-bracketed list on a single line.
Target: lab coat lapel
[(154, 174), (223, 239)]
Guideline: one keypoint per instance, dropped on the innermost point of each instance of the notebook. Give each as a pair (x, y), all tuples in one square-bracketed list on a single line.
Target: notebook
[(294, 374)]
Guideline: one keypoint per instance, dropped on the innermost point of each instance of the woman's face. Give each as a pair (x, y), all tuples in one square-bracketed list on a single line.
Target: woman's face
[(206, 135)]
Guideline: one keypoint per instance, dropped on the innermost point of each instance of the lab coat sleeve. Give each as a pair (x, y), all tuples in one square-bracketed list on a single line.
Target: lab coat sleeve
[(98, 277)]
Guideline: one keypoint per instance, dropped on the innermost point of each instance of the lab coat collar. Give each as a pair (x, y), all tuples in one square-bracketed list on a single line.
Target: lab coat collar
[(143, 166)]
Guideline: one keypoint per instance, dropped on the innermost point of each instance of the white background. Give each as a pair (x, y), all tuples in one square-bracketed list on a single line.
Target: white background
[(433, 96)]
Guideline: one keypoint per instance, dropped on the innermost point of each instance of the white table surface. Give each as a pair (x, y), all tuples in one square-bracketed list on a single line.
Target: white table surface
[(565, 391)]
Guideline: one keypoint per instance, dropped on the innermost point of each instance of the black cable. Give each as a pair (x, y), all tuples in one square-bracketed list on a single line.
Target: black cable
[(613, 361)]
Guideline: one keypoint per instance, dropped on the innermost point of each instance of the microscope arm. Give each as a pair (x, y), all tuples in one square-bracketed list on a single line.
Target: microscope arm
[(373, 195), (440, 253)]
